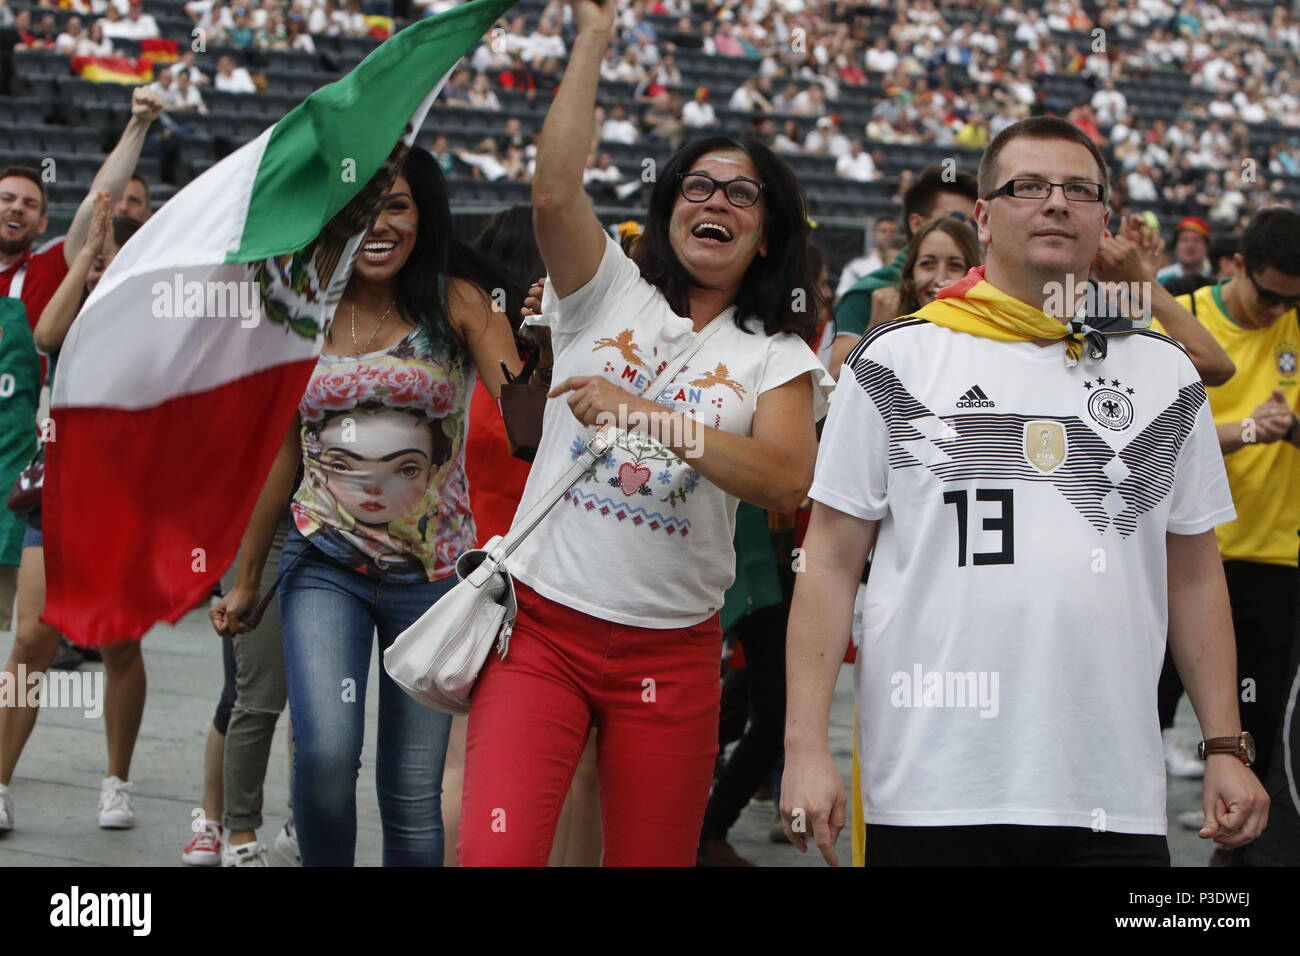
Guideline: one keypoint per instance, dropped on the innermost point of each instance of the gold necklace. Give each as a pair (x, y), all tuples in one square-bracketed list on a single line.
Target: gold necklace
[(374, 332)]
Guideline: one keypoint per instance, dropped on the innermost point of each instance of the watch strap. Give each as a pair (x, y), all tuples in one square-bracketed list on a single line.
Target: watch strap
[(1223, 745)]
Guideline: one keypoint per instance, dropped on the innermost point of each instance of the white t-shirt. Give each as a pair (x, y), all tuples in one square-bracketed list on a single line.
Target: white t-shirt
[(859, 168), (697, 114), (643, 539), (619, 131), (1023, 509), (855, 269), (881, 61), (239, 81), (140, 29)]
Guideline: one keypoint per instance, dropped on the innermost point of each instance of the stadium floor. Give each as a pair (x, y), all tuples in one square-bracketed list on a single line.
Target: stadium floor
[(57, 784)]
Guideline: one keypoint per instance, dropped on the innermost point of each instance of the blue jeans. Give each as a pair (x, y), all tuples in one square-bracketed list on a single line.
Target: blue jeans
[(329, 618)]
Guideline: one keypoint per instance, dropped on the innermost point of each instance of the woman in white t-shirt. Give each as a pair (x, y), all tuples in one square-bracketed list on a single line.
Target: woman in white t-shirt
[(620, 585), (95, 43)]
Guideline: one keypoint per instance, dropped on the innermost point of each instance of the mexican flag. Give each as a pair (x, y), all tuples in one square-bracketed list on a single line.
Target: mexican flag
[(180, 377)]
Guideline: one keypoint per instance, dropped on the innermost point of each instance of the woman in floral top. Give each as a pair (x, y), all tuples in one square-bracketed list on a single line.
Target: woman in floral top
[(379, 517)]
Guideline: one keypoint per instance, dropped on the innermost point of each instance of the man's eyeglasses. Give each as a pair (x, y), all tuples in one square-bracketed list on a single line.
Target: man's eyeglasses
[(740, 191), (1077, 191), (1268, 298)]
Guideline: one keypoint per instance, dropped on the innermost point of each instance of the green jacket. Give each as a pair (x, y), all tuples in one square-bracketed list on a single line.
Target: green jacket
[(757, 584), (853, 314), (20, 386)]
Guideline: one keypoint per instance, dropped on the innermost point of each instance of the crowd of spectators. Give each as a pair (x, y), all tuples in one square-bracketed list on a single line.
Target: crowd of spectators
[(951, 77), (919, 72), (270, 25)]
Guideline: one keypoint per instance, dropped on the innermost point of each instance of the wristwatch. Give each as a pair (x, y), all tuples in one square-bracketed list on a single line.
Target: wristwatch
[(1290, 432), (1241, 746)]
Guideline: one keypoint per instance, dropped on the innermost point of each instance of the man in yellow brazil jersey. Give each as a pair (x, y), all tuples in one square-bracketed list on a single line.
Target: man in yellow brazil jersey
[(1253, 316)]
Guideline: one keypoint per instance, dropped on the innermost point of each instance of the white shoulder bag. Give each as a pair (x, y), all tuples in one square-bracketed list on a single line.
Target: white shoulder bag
[(437, 659)]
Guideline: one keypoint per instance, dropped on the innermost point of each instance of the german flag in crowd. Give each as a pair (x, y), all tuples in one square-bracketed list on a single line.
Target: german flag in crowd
[(113, 69), (159, 50), (381, 28)]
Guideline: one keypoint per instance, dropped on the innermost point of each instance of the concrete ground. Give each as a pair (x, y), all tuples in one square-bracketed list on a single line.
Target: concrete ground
[(56, 787)]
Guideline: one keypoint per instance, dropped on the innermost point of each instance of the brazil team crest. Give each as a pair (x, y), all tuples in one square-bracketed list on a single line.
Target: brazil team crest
[(1045, 445), (1285, 355)]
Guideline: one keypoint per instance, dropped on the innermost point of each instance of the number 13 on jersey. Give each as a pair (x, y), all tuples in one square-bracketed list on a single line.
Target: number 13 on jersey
[(1003, 521)]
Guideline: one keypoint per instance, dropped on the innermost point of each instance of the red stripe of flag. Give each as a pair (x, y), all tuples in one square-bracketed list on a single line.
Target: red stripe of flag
[(165, 482)]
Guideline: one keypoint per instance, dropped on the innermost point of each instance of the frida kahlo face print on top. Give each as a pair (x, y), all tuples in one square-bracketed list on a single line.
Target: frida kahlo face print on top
[(384, 489)]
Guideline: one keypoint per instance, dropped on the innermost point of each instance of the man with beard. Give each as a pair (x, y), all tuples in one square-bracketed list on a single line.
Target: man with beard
[(33, 275)]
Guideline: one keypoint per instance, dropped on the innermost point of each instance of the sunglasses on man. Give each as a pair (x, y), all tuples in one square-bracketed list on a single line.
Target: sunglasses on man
[(1268, 298)]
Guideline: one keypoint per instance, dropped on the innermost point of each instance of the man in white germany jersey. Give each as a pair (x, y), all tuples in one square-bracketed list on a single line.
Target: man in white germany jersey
[(1042, 502)]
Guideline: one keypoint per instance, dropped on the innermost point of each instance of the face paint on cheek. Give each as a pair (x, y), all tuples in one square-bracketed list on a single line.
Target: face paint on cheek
[(403, 224)]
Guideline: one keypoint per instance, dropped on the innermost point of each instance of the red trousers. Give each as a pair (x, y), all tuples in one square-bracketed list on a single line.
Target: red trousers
[(653, 695)]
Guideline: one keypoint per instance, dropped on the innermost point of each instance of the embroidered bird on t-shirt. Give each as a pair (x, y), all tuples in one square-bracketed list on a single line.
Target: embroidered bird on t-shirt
[(720, 376), (624, 345)]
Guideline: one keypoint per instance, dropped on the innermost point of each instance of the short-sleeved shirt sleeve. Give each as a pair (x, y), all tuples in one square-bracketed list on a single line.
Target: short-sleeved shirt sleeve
[(852, 473), (788, 357), (617, 279), (1200, 499)]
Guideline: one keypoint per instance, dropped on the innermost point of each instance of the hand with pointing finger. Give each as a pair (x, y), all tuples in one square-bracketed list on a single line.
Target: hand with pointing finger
[(814, 801)]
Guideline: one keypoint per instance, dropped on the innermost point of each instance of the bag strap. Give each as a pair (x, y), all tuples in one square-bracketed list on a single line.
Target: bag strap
[(16, 283), (597, 447)]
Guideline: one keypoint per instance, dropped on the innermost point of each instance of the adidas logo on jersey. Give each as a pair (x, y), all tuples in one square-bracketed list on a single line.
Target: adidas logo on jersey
[(975, 398)]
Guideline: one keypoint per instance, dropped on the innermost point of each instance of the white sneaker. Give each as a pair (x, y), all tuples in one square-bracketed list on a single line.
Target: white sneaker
[(115, 811), (1178, 760), (245, 854), (286, 842), (6, 810), (205, 848), (1192, 819)]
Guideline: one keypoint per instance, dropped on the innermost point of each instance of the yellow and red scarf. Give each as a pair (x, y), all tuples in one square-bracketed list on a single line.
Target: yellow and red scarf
[(975, 306)]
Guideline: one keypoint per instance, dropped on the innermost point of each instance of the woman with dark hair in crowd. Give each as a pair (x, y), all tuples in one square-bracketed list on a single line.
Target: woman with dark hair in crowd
[(618, 623), (942, 251), (36, 642), (380, 516)]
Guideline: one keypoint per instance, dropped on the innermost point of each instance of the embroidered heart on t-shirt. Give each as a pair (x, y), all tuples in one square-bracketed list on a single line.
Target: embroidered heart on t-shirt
[(631, 477)]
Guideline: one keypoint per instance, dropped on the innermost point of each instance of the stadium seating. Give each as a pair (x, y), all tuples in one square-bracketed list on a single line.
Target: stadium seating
[(55, 115)]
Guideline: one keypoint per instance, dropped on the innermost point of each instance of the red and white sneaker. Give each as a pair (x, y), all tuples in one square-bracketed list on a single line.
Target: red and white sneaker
[(205, 848)]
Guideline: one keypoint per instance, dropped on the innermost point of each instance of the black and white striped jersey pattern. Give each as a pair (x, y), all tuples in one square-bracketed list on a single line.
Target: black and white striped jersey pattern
[(1107, 487)]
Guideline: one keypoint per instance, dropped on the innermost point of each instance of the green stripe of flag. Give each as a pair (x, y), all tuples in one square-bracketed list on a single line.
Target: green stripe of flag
[(300, 182)]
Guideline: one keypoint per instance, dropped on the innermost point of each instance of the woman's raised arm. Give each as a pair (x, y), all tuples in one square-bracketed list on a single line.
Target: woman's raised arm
[(569, 235)]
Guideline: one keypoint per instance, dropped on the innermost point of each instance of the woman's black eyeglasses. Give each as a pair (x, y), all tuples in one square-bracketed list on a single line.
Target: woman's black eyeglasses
[(697, 187)]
